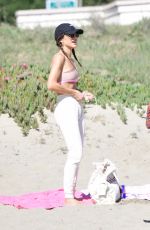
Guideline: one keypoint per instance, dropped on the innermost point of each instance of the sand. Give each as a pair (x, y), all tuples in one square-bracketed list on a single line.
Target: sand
[(35, 163)]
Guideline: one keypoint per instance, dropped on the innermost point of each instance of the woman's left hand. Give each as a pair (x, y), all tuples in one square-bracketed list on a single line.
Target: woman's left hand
[(88, 96)]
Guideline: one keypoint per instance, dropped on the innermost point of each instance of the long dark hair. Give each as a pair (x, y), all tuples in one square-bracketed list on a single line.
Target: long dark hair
[(59, 44)]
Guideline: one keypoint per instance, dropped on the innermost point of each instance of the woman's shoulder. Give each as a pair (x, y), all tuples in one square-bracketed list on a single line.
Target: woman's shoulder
[(58, 57), (58, 60)]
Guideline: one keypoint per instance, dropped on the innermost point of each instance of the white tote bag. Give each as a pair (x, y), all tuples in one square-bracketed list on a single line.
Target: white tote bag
[(103, 185)]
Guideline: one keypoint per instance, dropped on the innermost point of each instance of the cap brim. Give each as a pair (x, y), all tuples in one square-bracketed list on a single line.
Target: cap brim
[(79, 31)]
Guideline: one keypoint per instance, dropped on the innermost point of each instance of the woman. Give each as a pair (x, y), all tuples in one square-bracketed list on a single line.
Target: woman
[(68, 113)]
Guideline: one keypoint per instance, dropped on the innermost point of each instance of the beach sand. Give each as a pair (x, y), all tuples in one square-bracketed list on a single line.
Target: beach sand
[(35, 163)]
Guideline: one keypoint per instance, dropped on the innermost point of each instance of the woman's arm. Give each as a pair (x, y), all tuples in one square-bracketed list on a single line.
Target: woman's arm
[(54, 77)]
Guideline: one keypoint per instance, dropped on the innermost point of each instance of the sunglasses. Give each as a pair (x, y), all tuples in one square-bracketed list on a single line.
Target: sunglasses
[(73, 35)]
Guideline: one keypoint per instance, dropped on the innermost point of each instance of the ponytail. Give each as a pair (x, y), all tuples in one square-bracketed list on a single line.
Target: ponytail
[(74, 54)]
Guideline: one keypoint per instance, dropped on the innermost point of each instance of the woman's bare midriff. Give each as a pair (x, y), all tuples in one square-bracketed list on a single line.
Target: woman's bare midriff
[(69, 85)]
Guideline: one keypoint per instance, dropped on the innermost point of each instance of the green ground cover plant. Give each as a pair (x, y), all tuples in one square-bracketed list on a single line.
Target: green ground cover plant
[(115, 68), (24, 93)]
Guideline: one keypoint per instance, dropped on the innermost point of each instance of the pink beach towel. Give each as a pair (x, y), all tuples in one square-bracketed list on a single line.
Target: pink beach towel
[(48, 200)]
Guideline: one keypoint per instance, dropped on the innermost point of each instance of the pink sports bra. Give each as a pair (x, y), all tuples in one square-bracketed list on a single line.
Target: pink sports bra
[(71, 76)]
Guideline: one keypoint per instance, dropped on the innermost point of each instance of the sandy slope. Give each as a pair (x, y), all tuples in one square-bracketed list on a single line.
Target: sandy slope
[(35, 163)]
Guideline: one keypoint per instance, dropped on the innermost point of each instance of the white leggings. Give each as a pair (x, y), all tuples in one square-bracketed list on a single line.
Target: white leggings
[(69, 116)]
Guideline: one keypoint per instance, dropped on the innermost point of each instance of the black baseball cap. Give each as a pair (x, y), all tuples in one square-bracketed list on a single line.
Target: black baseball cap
[(66, 28)]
